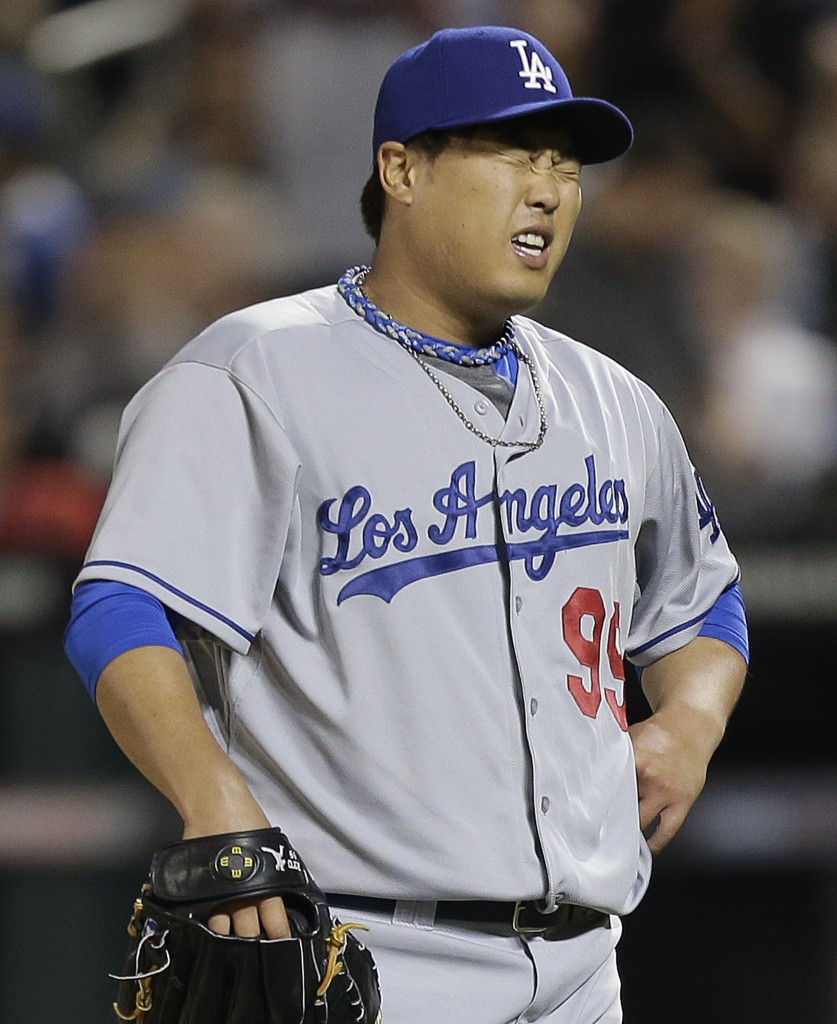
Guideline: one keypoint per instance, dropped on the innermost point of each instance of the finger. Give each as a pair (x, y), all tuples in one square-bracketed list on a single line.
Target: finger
[(245, 922), (648, 812), (666, 830), (650, 827), (220, 924), (650, 809), (274, 919)]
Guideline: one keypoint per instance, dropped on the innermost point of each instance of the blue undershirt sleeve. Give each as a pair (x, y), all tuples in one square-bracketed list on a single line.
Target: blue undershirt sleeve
[(727, 621), (107, 619)]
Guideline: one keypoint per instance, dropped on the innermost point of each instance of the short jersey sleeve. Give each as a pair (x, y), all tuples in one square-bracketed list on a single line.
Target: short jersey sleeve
[(199, 505), (683, 560)]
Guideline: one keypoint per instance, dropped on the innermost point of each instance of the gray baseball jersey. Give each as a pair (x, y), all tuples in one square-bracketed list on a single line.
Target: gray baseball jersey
[(411, 641)]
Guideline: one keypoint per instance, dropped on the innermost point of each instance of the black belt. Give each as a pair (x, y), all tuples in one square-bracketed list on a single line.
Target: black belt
[(523, 917)]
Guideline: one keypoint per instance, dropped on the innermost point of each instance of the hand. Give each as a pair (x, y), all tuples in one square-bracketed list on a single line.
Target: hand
[(248, 919), (672, 749)]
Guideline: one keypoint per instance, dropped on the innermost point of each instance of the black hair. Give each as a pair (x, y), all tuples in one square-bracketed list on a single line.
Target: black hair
[(373, 198)]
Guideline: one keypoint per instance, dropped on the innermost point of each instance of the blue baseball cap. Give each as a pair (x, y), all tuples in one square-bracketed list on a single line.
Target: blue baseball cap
[(472, 76)]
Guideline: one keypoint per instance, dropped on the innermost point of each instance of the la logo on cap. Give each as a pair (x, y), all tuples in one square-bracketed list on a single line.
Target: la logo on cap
[(441, 85), (538, 75)]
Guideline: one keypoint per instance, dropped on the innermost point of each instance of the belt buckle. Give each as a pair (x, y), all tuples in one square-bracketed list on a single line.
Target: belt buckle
[(521, 928)]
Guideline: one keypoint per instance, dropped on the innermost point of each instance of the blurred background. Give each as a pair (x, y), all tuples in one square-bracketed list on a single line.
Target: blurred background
[(165, 161)]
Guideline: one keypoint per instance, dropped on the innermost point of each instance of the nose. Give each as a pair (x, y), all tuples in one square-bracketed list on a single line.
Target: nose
[(543, 192)]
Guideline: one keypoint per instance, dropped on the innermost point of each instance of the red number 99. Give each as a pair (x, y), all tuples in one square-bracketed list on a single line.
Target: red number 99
[(583, 620)]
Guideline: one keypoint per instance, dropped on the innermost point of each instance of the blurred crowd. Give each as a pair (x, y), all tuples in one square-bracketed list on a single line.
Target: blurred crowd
[(164, 162)]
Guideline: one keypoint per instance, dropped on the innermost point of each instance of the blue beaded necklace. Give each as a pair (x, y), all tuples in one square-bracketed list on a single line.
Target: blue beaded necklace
[(350, 287)]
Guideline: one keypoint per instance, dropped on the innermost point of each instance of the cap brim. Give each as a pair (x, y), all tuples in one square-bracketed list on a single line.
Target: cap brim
[(599, 130)]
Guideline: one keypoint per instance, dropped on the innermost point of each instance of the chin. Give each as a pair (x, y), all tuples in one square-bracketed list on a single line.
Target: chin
[(511, 291), (521, 300)]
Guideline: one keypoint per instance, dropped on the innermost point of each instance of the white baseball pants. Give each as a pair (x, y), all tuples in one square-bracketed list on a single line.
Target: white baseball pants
[(438, 973)]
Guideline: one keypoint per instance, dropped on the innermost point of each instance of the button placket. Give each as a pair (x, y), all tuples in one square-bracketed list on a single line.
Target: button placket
[(536, 717)]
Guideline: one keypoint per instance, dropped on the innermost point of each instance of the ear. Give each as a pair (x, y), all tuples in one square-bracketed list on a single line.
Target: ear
[(396, 171)]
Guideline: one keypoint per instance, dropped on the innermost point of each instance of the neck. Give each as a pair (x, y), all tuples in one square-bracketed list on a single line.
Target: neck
[(403, 298)]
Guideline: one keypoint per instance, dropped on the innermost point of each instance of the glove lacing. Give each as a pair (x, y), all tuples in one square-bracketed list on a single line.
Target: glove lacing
[(155, 937), (336, 943)]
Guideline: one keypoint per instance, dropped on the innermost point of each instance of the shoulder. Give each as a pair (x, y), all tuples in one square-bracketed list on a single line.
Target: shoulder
[(580, 366), (253, 355), (275, 325)]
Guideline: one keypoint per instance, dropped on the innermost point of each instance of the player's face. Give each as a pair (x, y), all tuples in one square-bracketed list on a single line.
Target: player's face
[(493, 215)]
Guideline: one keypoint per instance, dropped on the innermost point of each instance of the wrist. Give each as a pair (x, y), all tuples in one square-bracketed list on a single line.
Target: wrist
[(221, 804), (697, 726)]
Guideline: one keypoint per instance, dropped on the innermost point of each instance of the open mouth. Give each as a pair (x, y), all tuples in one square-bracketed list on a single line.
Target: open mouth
[(532, 247)]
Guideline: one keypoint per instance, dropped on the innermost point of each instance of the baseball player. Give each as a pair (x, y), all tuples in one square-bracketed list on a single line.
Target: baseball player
[(373, 556)]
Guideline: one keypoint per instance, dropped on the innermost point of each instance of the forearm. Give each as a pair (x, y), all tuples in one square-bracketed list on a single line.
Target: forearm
[(702, 682), (148, 702)]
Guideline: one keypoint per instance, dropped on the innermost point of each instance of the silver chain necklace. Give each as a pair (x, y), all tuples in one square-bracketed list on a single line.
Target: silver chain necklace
[(350, 287), (495, 442)]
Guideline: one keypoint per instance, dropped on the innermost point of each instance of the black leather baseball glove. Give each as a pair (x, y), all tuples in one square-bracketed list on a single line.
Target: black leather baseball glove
[(179, 972)]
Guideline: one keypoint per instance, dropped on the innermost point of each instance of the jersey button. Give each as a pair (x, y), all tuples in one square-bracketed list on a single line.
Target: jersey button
[(518, 604), (545, 804), (481, 407), (533, 706)]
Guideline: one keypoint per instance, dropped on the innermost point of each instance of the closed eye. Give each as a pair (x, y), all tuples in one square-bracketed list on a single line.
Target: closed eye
[(556, 160), (543, 159), (516, 156), (525, 157)]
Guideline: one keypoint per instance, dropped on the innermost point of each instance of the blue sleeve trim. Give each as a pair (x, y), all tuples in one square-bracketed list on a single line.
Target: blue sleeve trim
[(107, 619), (249, 637), (664, 636), (681, 626), (727, 621)]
